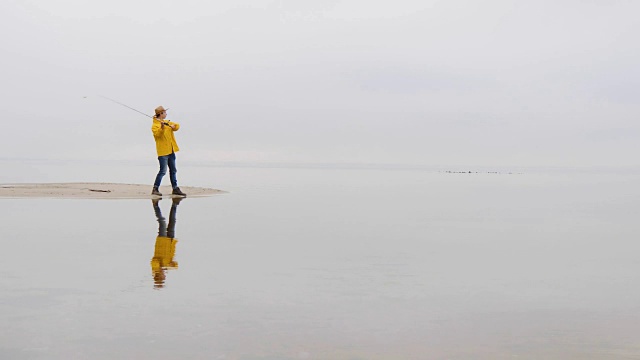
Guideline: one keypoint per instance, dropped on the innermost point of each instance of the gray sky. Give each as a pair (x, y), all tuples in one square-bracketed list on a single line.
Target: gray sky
[(496, 83)]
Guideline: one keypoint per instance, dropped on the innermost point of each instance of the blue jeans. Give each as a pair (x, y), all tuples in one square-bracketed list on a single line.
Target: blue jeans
[(169, 160)]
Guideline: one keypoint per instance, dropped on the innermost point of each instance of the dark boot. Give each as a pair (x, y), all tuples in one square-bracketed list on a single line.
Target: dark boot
[(177, 191), (155, 191)]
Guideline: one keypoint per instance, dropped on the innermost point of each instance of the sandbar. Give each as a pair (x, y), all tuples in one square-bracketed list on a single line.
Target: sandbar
[(95, 191)]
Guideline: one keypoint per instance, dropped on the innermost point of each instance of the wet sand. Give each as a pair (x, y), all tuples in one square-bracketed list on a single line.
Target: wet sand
[(95, 191)]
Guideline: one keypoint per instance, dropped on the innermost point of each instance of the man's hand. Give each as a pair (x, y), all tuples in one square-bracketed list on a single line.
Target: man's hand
[(163, 123)]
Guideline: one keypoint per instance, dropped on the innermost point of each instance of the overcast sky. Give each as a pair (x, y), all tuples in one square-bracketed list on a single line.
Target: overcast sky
[(495, 83)]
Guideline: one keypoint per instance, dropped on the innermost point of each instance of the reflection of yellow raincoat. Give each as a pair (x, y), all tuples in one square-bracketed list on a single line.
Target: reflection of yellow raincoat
[(165, 141), (164, 253)]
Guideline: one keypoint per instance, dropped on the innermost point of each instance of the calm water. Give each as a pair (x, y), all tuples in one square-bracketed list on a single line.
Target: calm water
[(324, 264)]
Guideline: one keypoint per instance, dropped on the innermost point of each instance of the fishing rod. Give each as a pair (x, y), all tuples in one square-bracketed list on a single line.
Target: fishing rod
[(127, 106)]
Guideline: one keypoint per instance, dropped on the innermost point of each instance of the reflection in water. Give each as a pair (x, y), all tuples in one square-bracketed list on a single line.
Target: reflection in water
[(165, 243)]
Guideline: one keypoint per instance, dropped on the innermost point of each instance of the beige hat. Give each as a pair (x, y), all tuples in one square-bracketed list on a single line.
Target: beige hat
[(159, 110)]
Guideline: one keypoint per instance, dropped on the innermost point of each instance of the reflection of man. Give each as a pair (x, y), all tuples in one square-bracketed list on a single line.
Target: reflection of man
[(165, 243)]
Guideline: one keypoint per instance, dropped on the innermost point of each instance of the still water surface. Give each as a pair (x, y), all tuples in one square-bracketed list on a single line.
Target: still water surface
[(326, 264)]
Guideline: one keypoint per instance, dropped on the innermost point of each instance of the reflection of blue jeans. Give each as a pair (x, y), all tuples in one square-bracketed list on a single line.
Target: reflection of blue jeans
[(163, 230), (169, 160)]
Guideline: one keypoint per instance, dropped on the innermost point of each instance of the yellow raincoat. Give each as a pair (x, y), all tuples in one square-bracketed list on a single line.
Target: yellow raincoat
[(163, 255), (163, 259), (165, 141)]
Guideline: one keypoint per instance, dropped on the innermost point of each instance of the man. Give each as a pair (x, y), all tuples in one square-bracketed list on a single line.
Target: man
[(166, 147)]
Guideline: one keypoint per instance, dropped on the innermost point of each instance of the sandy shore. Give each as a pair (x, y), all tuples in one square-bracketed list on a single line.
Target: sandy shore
[(95, 191)]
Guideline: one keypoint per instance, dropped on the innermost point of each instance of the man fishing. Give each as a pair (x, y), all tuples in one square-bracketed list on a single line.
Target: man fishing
[(166, 147)]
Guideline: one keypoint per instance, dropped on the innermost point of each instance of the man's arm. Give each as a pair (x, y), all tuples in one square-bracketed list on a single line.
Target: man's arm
[(174, 126), (157, 128)]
